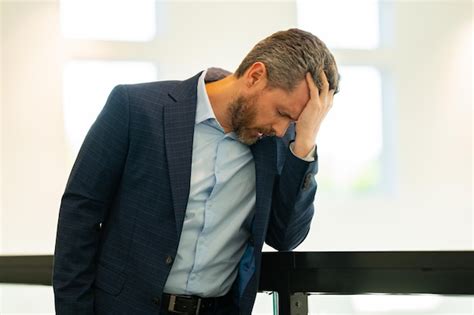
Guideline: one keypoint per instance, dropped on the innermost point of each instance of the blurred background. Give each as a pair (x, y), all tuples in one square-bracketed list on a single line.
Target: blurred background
[(395, 152)]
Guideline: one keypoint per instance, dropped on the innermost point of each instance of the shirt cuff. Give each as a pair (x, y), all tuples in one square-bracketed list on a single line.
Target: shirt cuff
[(307, 158)]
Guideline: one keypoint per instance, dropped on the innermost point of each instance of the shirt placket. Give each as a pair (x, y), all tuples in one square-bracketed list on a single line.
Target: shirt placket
[(202, 246)]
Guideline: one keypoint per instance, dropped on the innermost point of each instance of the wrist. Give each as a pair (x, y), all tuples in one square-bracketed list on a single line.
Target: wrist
[(302, 149)]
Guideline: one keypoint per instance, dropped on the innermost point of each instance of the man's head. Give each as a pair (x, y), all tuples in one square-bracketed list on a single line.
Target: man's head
[(288, 55), (274, 90)]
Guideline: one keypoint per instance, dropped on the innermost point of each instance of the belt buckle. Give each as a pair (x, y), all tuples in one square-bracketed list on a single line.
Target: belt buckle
[(198, 306), (173, 302)]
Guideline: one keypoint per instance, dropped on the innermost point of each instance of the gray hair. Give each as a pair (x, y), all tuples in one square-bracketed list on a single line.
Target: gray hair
[(288, 56)]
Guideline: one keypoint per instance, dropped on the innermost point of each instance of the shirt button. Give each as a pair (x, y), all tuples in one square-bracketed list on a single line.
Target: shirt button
[(251, 241), (169, 260), (156, 300)]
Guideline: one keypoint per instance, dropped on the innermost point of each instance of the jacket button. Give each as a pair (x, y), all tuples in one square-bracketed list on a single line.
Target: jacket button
[(169, 260), (307, 181), (156, 300)]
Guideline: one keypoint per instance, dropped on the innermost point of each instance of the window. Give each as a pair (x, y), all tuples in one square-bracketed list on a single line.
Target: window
[(117, 35), (356, 26), (104, 19), (353, 139), (352, 133)]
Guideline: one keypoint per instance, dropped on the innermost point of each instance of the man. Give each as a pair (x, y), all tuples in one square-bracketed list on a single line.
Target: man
[(179, 183)]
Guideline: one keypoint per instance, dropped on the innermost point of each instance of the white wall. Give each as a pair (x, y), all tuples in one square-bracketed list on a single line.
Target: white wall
[(431, 70), (33, 152)]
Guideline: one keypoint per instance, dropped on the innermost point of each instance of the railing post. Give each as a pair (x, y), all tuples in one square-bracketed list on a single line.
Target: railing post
[(298, 304), (290, 303)]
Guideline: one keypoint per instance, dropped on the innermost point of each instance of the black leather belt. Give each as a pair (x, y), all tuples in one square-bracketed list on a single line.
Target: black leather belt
[(191, 304)]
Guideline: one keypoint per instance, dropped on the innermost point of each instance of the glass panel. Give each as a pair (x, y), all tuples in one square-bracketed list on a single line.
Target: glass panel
[(125, 20), (263, 304), (380, 304), (26, 299), (86, 87), (388, 303), (341, 23), (350, 139)]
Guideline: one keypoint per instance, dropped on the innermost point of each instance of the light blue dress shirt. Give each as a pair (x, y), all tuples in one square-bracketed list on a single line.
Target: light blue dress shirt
[(220, 208)]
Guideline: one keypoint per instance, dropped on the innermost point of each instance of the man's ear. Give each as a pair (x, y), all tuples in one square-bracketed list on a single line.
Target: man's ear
[(256, 75)]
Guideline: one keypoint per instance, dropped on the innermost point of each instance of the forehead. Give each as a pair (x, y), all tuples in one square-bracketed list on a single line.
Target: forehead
[(295, 100)]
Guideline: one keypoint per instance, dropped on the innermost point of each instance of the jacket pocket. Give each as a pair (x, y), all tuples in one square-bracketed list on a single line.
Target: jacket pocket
[(108, 280)]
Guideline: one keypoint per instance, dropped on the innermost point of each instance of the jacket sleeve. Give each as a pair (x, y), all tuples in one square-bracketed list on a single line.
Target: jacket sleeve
[(292, 203), (89, 192)]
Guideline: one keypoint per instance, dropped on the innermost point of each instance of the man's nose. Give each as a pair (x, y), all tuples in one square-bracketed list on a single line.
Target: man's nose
[(281, 127)]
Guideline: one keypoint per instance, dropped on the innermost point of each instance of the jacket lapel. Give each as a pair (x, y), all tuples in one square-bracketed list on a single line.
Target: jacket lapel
[(264, 154), (179, 122)]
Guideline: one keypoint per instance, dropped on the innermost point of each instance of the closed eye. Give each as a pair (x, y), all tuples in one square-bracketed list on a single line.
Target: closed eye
[(286, 115)]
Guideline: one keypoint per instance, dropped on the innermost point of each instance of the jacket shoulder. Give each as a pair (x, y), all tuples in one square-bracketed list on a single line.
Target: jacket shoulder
[(155, 92)]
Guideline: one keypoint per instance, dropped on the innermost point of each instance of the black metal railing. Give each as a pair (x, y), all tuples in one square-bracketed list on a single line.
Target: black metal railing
[(293, 275), (26, 269)]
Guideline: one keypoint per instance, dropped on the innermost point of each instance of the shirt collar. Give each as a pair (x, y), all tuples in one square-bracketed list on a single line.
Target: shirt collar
[(204, 109)]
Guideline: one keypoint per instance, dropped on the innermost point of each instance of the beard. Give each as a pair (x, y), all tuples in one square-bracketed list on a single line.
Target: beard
[(243, 111)]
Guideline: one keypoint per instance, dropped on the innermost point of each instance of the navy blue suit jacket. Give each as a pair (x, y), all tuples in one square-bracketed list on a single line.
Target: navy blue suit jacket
[(122, 211)]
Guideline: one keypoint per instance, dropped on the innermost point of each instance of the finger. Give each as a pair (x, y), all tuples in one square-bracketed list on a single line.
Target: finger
[(324, 85), (331, 98), (313, 89)]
